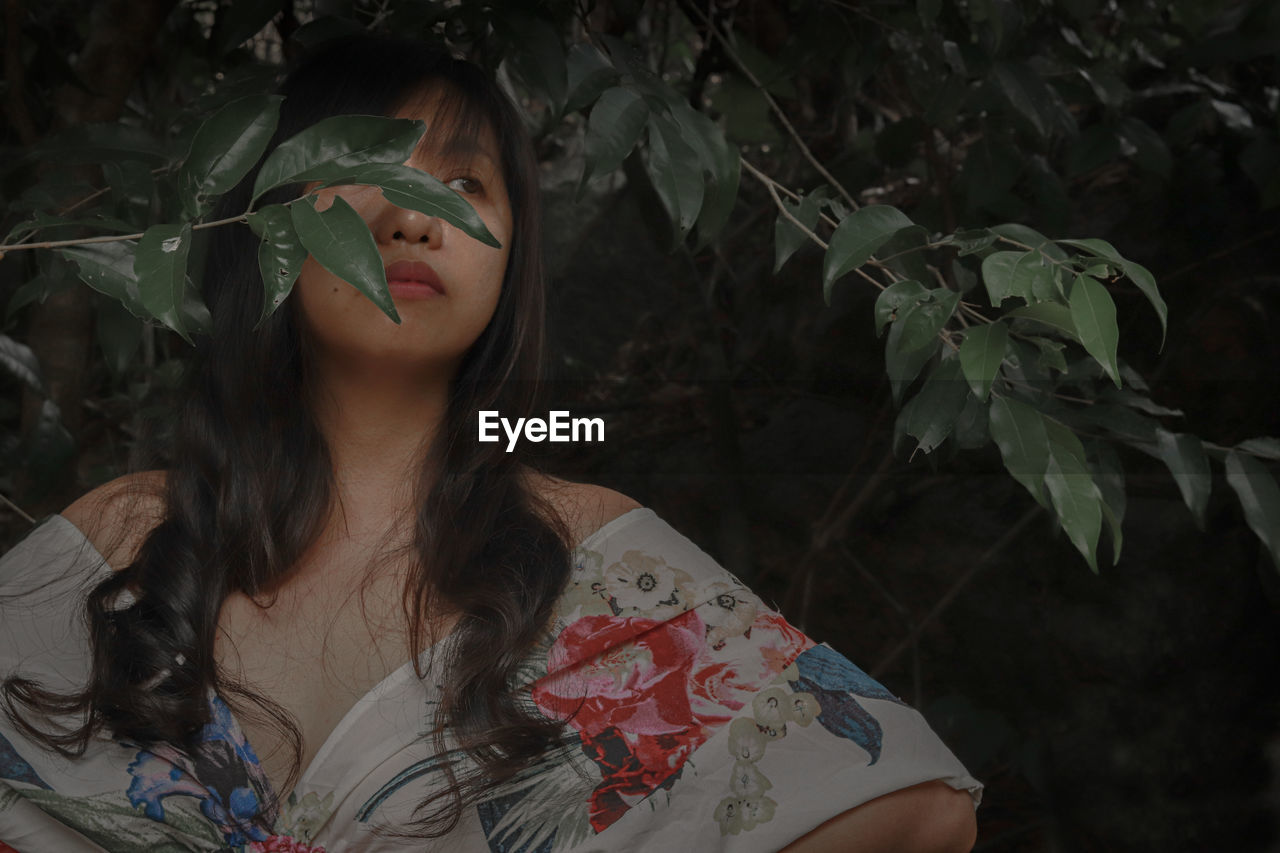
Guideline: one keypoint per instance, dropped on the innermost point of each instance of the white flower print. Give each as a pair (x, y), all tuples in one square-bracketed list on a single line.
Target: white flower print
[(771, 708), (747, 781), (738, 813), (729, 813), (804, 707), (585, 594), (728, 612), (746, 741), (303, 816), (757, 810), (640, 584)]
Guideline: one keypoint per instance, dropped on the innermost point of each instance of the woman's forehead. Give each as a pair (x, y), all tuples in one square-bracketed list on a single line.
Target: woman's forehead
[(456, 130)]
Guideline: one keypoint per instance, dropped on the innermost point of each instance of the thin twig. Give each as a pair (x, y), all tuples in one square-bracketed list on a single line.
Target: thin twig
[(773, 186), (777, 110), (13, 506), (112, 238), (950, 595)]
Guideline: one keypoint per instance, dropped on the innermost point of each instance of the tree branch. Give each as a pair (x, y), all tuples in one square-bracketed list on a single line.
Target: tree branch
[(950, 595), (773, 186), (777, 110), (13, 73)]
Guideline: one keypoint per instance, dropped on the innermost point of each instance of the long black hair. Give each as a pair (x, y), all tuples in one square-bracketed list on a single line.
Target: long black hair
[(242, 505)]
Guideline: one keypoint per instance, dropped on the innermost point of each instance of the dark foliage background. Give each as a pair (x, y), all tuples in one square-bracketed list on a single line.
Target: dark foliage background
[(1132, 709)]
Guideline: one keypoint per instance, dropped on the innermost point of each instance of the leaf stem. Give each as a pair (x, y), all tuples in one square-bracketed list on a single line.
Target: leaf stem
[(112, 238), (773, 186)]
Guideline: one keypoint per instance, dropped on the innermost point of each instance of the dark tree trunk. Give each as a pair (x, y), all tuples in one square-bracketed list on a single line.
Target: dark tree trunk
[(121, 34)]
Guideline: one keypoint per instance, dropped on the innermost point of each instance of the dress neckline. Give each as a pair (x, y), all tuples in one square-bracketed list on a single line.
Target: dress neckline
[(391, 680)]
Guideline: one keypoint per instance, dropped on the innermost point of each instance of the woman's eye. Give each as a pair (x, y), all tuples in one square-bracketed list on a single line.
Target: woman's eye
[(464, 185)]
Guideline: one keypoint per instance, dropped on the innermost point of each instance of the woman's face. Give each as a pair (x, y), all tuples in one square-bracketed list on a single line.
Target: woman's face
[(445, 284)]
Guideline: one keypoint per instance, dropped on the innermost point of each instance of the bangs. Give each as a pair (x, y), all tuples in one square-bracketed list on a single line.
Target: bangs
[(458, 122)]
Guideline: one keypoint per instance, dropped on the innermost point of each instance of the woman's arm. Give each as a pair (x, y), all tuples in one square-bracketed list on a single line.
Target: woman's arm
[(927, 818)]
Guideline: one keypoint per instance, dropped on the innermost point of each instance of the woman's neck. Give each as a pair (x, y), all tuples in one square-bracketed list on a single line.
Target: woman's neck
[(379, 425)]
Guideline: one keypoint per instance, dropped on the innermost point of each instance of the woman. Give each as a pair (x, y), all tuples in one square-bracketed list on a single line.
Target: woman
[(580, 676)]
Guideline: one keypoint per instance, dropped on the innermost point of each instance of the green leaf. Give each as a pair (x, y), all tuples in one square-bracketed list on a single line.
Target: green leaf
[(1142, 403), (931, 415), (997, 275), (972, 428), (160, 267), (241, 21), (1051, 314), (108, 268), (981, 355), (21, 362), (1019, 432), (720, 161), (904, 253), (1122, 422), (1050, 353), (1030, 238), (1034, 98), (1076, 498), (40, 221), (1108, 473), (195, 314), (119, 336), (414, 189), (1094, 316), (1146, 282), (280, 254), (1186, 460), (675, 171), (856, 239), (894, 298), (613, 128), (920, 325), (536, 55), (1267, 448), (965, 278), (334, 146), (340, 242), (787, 238), (225, 148), (98, 143), (775, 77), (1036, 278), (1150, 151), (1137, 273), (589, 74), (971, 241), (1259, 497), (903, 366)]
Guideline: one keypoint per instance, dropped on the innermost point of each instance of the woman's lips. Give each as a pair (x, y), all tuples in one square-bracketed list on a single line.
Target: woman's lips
[(413, 280)]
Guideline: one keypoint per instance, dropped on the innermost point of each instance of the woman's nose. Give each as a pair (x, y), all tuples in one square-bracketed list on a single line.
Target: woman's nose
[(397, 224)]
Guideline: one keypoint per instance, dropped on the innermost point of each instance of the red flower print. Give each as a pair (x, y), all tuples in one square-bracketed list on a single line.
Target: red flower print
[(631, 674), (643, 694)]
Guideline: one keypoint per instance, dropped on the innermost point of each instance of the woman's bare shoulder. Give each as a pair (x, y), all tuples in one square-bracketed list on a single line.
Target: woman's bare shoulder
[(117, 516), (584, 507)]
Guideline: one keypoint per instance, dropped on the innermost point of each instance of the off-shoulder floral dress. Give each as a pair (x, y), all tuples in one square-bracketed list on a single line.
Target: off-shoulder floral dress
[(697, 719)]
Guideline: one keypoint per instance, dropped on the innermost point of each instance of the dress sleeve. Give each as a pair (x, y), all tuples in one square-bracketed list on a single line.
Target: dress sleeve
[(701, 718)]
